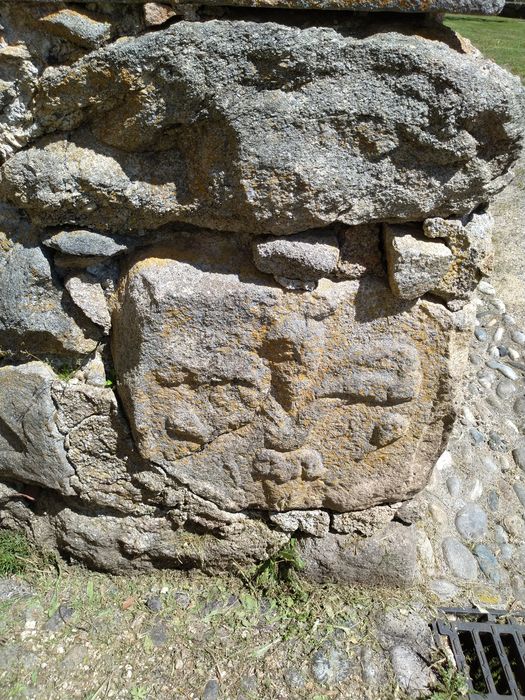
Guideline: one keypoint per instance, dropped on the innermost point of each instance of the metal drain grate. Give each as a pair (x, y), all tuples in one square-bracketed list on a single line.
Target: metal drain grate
[(489, 648)]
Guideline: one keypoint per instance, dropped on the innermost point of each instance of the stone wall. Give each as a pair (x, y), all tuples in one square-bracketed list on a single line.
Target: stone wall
[(237, 252)]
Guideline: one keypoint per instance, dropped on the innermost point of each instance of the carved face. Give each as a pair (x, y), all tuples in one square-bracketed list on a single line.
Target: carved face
[(267, 398)]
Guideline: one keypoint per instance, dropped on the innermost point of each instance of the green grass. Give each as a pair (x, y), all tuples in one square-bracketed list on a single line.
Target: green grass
[(499, 38), (15, 551)]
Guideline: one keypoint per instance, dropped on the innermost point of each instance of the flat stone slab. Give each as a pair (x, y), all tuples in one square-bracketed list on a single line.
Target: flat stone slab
[(484, 7)]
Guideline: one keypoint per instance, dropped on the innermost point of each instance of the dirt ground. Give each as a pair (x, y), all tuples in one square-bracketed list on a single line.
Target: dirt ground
[(78, 634)]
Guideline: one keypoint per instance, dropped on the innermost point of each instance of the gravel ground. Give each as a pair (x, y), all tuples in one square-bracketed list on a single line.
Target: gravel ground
[(172, 635)]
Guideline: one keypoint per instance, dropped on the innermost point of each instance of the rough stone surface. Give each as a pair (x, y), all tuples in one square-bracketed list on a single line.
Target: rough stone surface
[(88, 295), (255, 387), (299, 257), (273, 114), (360, 252), (470, 241), (412, 673), (330, 665), (98, 446), (415, 265), (311, 522), (86, 244), (31, 447), (79, 28), (365, 523), (391, 556), (123, 544), (157, 13), (33, 306)]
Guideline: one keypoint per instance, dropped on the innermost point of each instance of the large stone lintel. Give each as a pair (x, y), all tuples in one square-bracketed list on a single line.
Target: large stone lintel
[(484, 7)]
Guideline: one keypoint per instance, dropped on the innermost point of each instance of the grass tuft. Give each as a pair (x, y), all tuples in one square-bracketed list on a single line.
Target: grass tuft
[(280, 574), (450, 683), (15, 553)]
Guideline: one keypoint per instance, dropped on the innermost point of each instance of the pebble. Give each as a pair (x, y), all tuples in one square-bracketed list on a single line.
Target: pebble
[(494, 402), (498, 335), (471, 522), (500, 535), (182, 599), (518, 587), (485, 288), (515, 526), (17, 655), (330, 665), (248, 684), (490, 465), (519, 406), (469, 416), (494, 352), (475, 359), (372, 667), (10, 588), (438, 514), (159, 633), (505, 370), (503, 350), (211, 690), (488, 563), (493, 500), (59, 618), (520, 556), (499, 305), (506, 552), (518, 337), (514, 354), (505, 389), (453, 486), (519, 490), (460, 560), (443, 589), (485, 380), (154, 604), (497, 443), (473, 389), (481, 334), (519, 456), (412, 673), (477, 490), (445, 461), (476, 437), (294, 678)]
